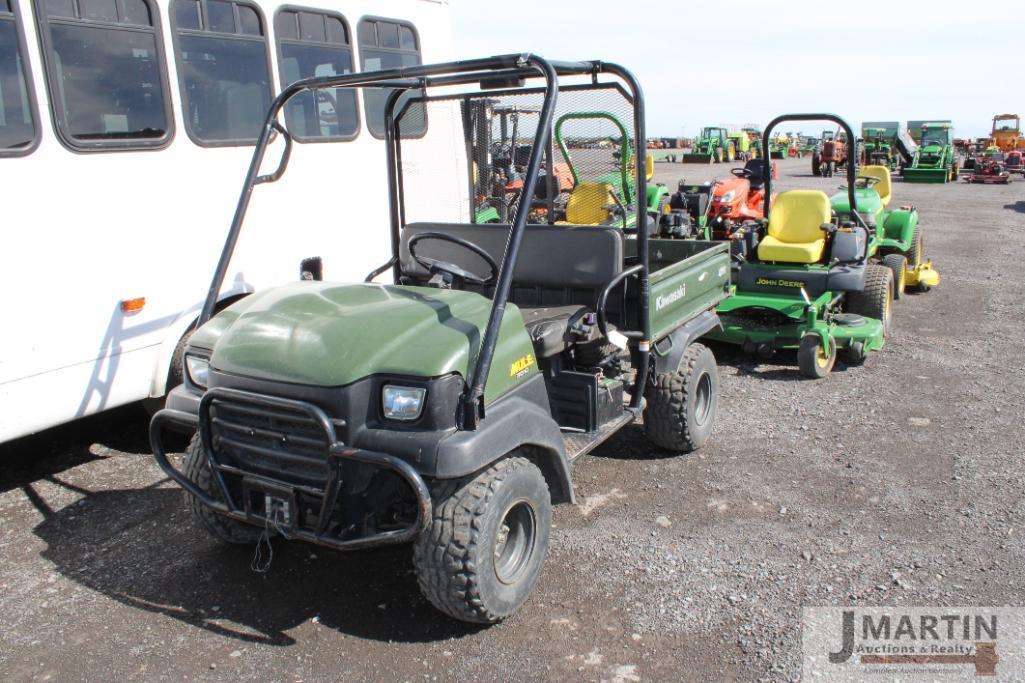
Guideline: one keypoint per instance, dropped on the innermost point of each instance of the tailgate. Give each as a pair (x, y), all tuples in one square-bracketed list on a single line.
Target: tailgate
[(692, 276)]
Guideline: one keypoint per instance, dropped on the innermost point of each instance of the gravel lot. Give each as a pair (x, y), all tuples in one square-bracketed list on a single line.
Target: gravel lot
[(896, 483)]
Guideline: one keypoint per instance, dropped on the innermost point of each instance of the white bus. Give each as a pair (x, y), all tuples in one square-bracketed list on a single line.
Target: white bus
[(126, 128)]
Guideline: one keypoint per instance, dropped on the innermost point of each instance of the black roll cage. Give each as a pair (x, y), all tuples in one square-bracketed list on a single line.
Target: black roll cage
[(852, 172), (488, 73)]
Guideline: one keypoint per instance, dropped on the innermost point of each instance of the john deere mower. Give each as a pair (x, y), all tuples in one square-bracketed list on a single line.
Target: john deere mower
[(934, 160), (805, 279), (608, 197), (895, 236), (713, 145)]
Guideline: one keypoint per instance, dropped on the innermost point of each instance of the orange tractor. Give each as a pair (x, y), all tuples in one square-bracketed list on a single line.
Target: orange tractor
[(1007, 135), (738, 200)]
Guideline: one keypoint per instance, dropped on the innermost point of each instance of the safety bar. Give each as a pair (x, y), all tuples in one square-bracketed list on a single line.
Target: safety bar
[(336, 453)]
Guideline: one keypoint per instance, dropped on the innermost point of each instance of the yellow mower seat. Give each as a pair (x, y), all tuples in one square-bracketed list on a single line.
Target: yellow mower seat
[(587, 204), (885, 186), (795, 234)]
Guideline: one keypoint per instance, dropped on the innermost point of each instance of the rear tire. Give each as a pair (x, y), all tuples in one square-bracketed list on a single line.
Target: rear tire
[(680, 408), (898, 265), (220, 527), (483, 551), (816, 164), (874, 301), (811, 359)]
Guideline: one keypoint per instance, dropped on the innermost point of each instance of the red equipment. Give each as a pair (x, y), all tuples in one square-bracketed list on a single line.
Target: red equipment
[(738, 200), (989, 171)]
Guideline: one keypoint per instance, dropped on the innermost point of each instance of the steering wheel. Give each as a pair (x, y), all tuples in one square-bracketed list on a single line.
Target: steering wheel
[(435, 266), (742, 173), (865, 181)]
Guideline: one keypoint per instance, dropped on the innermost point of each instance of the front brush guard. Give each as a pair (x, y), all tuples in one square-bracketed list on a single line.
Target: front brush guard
[(335, 454)]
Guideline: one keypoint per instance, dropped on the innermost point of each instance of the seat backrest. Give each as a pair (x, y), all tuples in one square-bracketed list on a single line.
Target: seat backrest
[(797, 216), (885, 185), (551, 257), (757, 169), (587, 204)]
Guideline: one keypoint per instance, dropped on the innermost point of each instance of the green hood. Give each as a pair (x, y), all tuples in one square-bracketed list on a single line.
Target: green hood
[(869, 203), (324, 334)]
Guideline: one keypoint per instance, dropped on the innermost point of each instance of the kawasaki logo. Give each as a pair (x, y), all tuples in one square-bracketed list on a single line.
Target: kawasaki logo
[(666, 299)]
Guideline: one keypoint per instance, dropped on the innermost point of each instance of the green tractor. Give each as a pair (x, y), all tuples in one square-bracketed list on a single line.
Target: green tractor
[(444, 411), (742, 145), (935, 160), (603, 197), (806, 279), (877, 148), (713, 145)]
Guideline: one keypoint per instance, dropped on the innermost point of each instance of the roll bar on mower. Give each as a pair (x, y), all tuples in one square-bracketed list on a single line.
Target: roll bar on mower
[(852, 171), (486, 73)]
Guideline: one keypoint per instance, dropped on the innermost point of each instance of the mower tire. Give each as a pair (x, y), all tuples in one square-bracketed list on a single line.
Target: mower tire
[(680, 408), (875, 299), (810, 358), (483, 551), (898, 265), (197, 468)]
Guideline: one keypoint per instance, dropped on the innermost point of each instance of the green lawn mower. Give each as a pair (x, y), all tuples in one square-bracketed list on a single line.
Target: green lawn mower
[(896, 238), (608, 197), (713, 145), (935, 160), (805, 279)]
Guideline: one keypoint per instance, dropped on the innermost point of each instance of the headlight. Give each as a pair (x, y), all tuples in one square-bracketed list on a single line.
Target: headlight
[(402, 403), (726, 198), (198, 369)]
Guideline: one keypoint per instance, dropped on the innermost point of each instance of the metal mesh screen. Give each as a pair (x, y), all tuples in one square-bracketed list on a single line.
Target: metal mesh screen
[(588, 166)]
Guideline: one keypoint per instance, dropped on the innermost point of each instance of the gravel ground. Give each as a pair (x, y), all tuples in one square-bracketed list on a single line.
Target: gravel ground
[(896, 483)]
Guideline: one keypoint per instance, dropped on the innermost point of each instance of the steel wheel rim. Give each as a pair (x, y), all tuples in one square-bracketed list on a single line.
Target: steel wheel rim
[(703, 399), (514, 543)]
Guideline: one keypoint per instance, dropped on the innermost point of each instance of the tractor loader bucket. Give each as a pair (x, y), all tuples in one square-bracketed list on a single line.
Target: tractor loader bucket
[(925, 175), (698, 158)]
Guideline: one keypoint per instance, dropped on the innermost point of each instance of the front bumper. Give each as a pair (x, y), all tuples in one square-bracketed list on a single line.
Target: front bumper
[(327, 454)]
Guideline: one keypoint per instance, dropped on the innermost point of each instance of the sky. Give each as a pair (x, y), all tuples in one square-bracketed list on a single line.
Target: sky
[(738, 61)]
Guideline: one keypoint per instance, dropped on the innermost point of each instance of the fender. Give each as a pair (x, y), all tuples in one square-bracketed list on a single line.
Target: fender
[(669, 350), (900, 224), (516, 421)]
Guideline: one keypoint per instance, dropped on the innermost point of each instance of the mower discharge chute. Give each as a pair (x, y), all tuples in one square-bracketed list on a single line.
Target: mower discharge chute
[(805, 279)]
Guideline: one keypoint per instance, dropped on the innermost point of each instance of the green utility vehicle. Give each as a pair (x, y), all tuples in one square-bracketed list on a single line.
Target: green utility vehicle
[(713, 145), (935, 160), (445, 410), (803, 278)]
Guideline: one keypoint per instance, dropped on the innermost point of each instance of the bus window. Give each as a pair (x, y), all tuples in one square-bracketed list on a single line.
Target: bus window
[(316, 44), (18, 134), (106, 74), (387, 44), (223, 67)]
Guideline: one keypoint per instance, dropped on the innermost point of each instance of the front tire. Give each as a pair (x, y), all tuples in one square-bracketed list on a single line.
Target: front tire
[(483, 551), (812, 359), (680, 409), (898, 265), (220, 527), (874, 301)]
